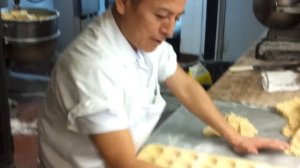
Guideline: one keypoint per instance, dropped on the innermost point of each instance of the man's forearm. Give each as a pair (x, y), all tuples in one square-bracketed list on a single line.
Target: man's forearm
[(195, 98), (190, 93)]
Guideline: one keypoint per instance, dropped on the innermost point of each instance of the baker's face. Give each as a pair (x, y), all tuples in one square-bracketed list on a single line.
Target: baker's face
[(149, 22)]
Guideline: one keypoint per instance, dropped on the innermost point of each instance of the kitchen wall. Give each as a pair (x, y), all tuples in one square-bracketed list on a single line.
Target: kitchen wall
[(25, 3), (241, 26), (3, 3), (70, 24), (242, 29), (193, 27)]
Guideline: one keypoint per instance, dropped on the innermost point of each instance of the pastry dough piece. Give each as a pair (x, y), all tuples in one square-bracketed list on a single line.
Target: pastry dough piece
[(19, 15), (291, 111), (209, 131), (171, 157), (294, 148), (151, 154), (240, 124)]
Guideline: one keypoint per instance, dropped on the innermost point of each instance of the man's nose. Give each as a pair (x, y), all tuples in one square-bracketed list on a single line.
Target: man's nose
[(168, 28)]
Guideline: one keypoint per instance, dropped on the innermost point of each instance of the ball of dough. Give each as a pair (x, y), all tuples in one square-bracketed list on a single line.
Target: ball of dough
[(239, 124)]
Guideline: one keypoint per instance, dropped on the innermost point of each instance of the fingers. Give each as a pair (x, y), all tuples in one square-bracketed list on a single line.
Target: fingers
[(239, 150), (245, 148), (272, 144), (252, 150), (252, 145)]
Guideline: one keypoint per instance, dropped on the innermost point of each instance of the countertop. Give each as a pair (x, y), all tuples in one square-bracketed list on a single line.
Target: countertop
[(245, 87), (183, 130)]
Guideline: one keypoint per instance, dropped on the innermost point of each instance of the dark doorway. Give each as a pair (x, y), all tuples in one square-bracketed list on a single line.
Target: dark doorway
[(211, 29), (6, 147)]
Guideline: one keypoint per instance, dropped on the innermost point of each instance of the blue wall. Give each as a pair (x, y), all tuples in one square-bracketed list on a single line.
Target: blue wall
[(242, 29), (44, 4)]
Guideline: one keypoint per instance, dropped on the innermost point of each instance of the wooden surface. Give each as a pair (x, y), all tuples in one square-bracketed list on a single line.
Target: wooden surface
[(245, 87)]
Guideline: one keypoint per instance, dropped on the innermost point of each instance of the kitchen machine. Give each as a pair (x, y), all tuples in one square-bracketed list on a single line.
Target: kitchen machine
[(282, 17)]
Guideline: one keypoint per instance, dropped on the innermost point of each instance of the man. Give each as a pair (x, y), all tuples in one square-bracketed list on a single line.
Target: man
[(103, 100)]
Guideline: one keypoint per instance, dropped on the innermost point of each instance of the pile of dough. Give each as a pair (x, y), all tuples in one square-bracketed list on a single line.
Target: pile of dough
[(171, 157), (21, 15), (294, 148), (291, 111), (240, 124)]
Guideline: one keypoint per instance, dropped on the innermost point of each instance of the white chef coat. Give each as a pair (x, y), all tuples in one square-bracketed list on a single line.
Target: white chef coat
[(100, 84)]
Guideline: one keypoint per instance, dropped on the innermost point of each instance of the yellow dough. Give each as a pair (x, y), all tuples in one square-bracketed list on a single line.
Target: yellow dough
[(291, 111), (21, 15), (294, 148), (171, 157), (240, 124)]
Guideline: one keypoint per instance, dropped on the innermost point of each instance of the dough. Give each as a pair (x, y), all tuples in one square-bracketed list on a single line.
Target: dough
[(295, 145), (171, 157), (240, 124), (291, 111), (21, 15)]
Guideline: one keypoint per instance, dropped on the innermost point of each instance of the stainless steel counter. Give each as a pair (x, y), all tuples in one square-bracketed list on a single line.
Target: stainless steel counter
[(183, 130)]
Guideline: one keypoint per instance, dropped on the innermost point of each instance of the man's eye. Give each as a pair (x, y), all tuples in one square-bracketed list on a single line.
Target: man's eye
[(160, 16)]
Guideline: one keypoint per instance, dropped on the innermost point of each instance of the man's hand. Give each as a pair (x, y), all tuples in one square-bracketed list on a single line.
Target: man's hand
[(194, 97), (243, 145)]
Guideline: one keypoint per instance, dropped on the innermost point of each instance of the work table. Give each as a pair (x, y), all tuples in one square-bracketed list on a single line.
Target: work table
[(183, 130), (245, 87)]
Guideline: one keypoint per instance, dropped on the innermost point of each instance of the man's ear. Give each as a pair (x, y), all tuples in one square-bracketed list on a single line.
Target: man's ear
[(120, 6)]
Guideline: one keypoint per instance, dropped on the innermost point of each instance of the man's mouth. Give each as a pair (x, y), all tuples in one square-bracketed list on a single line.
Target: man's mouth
[(158, 40)]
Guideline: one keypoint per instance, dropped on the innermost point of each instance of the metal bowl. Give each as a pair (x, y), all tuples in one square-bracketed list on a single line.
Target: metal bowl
[(31, 30), (31, 53), (31, 44)]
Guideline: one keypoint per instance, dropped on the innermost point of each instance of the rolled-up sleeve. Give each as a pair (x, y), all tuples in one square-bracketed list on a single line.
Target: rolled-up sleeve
[(94, 98), (102, 122), (167, 62)]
